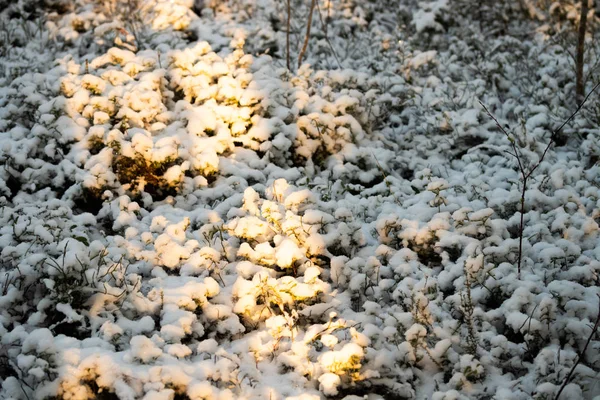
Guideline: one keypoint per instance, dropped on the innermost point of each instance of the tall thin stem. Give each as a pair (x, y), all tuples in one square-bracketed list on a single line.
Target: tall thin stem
[(307, 37), (521, 227), (287, 34), (580, 84)]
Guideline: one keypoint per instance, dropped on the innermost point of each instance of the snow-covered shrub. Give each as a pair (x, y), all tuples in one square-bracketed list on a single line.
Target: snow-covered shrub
[(429, 14), (183, 217)]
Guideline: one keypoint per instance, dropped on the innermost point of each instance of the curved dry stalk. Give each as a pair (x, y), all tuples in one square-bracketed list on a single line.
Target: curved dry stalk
[(307, 37)]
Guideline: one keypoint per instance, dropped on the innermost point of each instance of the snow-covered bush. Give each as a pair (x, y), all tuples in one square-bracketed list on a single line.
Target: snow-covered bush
[(183, 217)]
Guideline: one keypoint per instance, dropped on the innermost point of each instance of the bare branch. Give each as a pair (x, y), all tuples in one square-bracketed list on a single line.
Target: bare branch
[(510, 138), (525, 175), (557, 131), (324, 26), (580, 356), (307, 37)]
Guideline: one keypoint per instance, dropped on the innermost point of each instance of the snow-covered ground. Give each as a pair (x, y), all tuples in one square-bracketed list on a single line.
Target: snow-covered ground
[(184, 217)]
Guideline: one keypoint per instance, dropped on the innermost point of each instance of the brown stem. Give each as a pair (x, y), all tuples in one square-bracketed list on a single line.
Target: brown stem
[(308, 24), (520, 255), (580, 84), (287, 34)]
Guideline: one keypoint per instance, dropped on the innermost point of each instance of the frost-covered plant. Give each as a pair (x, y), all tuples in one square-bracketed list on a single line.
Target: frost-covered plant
[(342, 230), (467, 309)]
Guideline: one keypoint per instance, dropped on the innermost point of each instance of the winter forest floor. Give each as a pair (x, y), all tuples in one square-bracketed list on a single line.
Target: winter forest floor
[(182, 216)]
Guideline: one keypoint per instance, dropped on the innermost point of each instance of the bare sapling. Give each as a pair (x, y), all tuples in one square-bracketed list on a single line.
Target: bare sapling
[(527, 171)]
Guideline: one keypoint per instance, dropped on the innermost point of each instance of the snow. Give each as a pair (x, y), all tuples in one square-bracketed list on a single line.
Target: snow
[(183, 216), (425, 17), (144, 349)]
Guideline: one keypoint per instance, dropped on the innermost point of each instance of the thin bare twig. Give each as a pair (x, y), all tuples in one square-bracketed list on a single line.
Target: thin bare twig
[(580, 83), (307, 37), (509, 137), (324, 26), (287, 33), (579, 107), (580, 355)]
